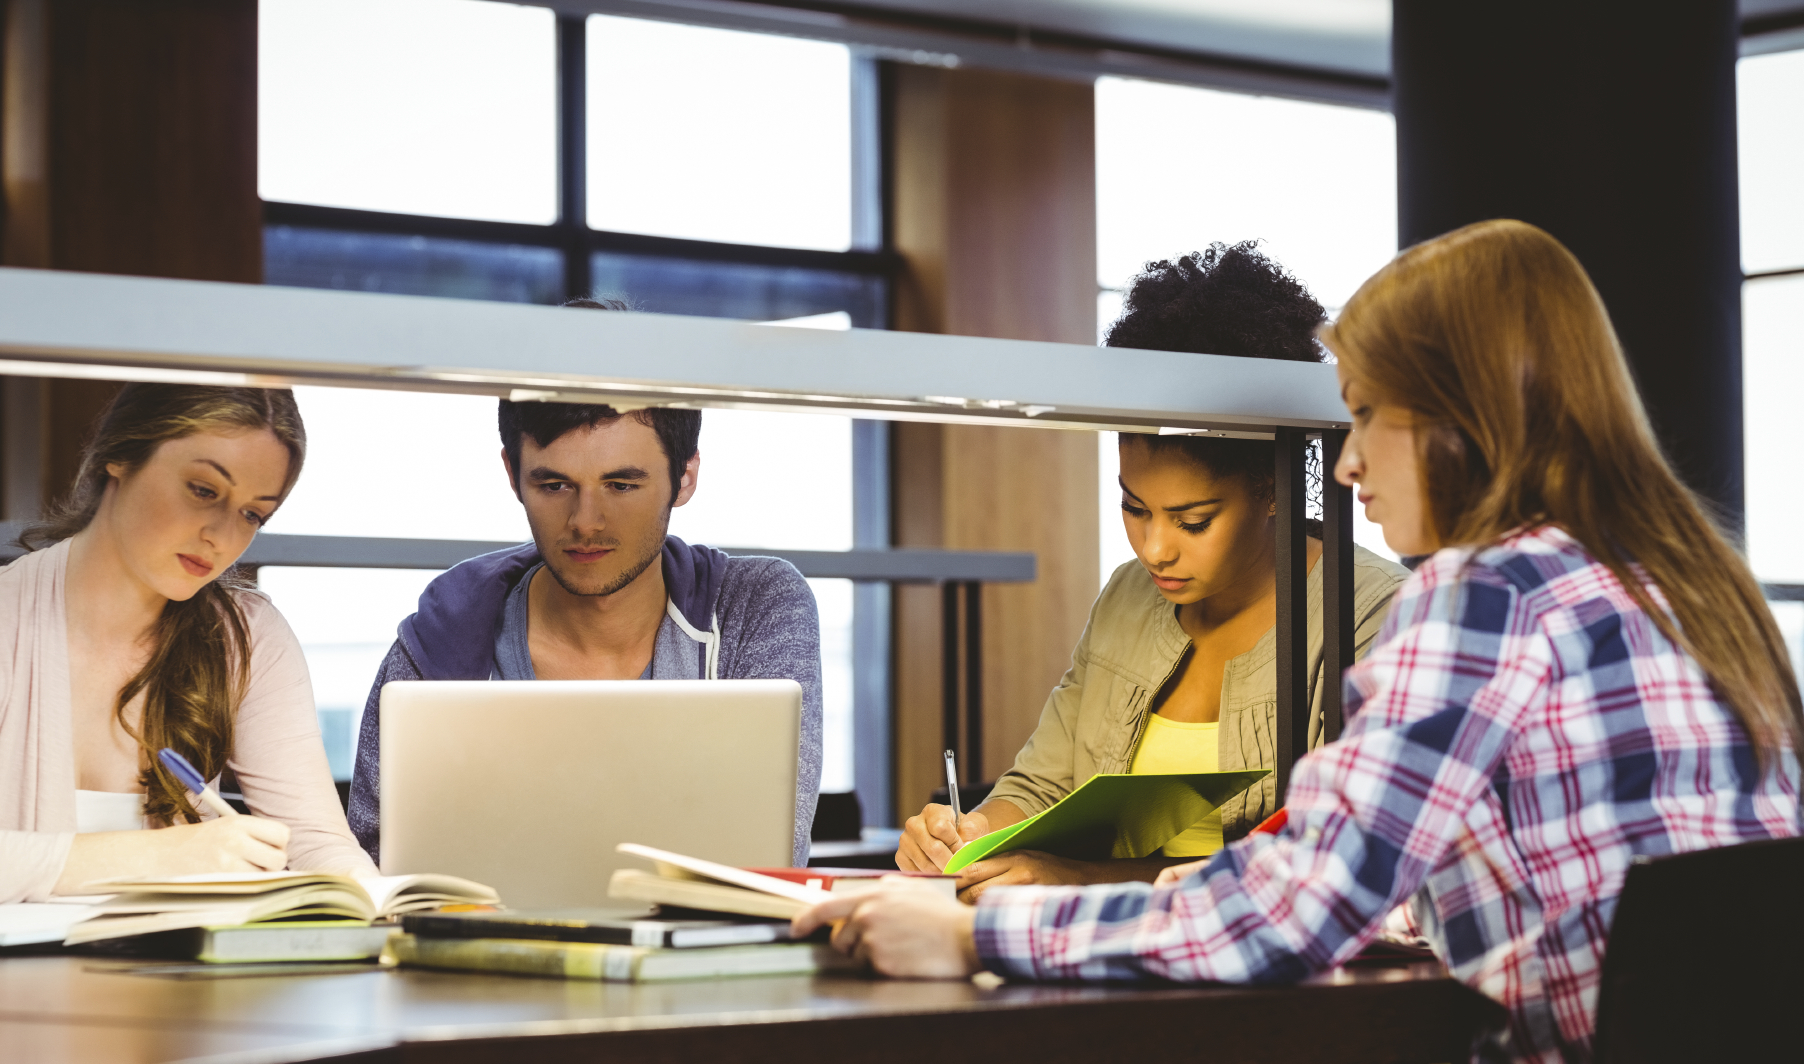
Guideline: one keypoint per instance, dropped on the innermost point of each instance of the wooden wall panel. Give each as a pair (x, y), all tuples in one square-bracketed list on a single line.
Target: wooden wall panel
[(995, 216), (128, 144), (131, 138)]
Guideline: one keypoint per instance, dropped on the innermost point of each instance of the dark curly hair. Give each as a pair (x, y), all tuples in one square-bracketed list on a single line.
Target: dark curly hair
[(1228, 299)]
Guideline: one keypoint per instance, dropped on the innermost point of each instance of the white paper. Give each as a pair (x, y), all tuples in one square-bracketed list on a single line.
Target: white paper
[(29, 923)]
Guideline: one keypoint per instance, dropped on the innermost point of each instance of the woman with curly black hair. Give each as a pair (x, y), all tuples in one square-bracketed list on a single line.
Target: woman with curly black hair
[(1176, 670)]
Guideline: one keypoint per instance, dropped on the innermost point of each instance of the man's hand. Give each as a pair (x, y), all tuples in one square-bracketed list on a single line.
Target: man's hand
[(901, 930), (929, 840), (1024, 867), (1176, 872)]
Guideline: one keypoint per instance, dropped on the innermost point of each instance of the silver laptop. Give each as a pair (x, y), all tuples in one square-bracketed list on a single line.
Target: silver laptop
[(527, 786)]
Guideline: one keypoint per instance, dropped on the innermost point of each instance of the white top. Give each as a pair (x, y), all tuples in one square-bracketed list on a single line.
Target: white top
[(108, 811)]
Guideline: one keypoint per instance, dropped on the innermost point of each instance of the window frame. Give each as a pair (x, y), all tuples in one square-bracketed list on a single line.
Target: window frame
[(571, 236)]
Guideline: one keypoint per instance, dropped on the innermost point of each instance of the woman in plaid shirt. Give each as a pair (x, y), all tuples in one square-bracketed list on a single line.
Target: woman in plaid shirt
[(1585, 671)]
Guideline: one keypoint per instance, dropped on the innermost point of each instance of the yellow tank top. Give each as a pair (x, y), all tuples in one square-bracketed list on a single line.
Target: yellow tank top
[(1173, 746)]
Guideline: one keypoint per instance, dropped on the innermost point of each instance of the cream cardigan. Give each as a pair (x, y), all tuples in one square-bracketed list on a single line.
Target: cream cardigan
[(277, 754)]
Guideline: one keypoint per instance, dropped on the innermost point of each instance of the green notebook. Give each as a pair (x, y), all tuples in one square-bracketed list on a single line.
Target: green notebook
[(1115, 815)]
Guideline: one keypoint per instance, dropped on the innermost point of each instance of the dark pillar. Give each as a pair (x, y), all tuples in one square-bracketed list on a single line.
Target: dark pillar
[(1610, 124)]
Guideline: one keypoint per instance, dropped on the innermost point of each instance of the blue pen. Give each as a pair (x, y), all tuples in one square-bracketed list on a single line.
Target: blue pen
[(179, 766)]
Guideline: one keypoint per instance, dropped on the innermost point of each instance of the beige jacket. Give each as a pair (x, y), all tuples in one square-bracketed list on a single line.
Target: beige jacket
[(277, 753), (1132, 644)]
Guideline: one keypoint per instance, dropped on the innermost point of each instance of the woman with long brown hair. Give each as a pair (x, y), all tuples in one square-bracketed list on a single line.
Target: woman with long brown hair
[(124, 630), (1582, 673)]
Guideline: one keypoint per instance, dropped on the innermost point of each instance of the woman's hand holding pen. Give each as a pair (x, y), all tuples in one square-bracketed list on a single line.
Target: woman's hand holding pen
[(231, 842), (930, 838), (226, 844)]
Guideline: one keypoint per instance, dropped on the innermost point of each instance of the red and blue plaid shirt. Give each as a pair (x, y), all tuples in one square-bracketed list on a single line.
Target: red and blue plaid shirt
[(1518, 733)]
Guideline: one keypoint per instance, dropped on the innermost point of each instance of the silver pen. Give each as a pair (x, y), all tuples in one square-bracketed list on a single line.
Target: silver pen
[(952, 789)]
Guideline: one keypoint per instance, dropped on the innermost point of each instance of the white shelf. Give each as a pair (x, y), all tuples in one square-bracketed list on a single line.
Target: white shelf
[(57, 323)]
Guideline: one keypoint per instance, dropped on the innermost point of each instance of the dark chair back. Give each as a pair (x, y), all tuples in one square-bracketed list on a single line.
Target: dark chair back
[(838, 817), (1706, 958)]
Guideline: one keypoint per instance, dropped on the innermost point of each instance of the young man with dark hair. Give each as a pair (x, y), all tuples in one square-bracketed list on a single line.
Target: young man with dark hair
[(604, 592)]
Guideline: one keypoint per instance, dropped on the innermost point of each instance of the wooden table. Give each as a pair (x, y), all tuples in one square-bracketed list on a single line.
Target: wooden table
[(61, 1008)]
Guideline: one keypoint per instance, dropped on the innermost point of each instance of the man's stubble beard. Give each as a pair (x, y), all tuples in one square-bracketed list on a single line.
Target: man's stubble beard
[(632, 573)]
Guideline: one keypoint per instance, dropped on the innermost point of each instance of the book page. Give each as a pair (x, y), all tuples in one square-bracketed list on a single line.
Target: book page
[(215, 882), (386, 892)]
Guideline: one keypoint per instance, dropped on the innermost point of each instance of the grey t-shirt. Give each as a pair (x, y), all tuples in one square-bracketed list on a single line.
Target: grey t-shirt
[(513, 653)]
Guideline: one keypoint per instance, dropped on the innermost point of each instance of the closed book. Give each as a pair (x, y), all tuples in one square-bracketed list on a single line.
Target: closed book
[(609, 963), (596, 925), (299, 940)]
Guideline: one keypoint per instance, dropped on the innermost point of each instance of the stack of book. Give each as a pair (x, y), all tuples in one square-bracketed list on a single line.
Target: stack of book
[(711, 921)]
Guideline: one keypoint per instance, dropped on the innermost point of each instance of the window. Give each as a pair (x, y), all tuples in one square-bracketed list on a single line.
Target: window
[(1770, 94), (785, 481), (412, 147), (1179, 168), (745, 290), (411, 265), (444, 107), (397, 464), (1772, 381), (715, 135)]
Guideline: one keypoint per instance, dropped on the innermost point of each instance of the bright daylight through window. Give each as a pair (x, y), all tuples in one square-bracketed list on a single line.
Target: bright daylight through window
[(1770, 95), (440, 107), (448, 108), (713, 135), (1316, 184)]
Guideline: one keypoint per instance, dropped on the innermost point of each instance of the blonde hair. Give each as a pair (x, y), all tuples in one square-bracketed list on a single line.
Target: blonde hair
[(1526, 415), (201, 653)]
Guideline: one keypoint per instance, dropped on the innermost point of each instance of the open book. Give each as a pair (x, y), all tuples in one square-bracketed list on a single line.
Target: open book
[(143, 906), (1114, 815)]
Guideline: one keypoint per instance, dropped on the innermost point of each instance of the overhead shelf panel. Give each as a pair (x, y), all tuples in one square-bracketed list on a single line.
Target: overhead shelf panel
[(62, 324)]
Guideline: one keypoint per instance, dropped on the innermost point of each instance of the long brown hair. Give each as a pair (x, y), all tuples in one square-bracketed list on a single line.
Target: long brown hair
[(200, 656), (1526, 415)]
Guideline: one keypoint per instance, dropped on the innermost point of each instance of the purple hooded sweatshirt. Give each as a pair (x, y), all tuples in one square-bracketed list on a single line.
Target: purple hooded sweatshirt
[(727, 618)]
